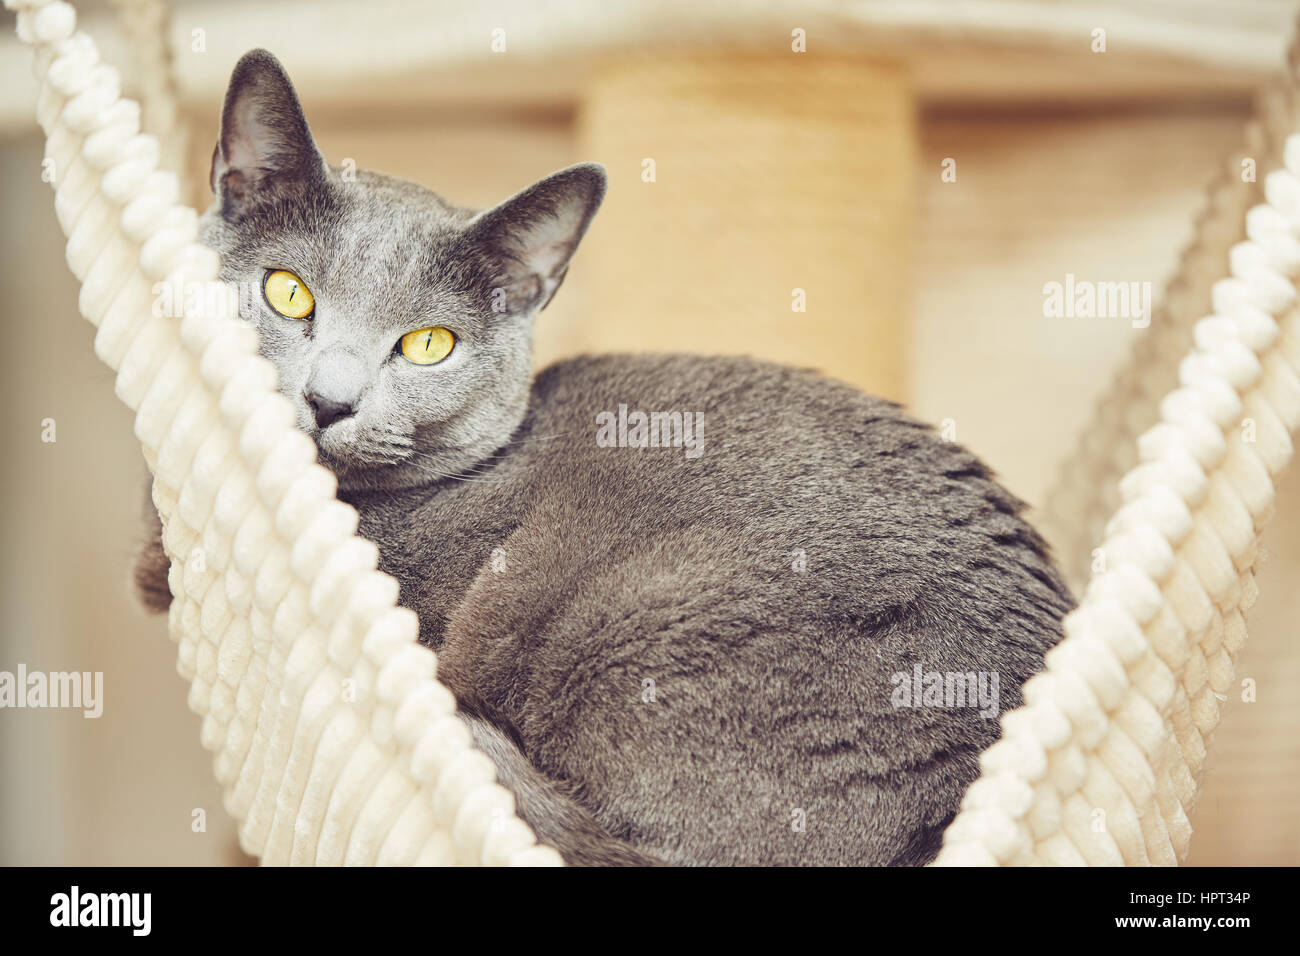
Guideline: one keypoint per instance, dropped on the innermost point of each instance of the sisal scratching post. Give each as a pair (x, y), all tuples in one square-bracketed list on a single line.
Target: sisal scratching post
[(771, 172)]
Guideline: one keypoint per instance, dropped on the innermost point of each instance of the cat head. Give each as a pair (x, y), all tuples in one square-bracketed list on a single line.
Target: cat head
[(401, 325)]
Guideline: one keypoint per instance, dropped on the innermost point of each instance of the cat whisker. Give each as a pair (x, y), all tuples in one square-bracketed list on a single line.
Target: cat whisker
[(533, 438), (471, 473), (478, 471)]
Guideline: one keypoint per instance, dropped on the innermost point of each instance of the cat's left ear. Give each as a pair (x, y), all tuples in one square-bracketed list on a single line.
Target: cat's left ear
[(264, 139), (533, 235)]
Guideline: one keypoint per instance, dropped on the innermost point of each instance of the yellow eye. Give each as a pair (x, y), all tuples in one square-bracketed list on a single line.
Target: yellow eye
[(288, 295), (427, 346)]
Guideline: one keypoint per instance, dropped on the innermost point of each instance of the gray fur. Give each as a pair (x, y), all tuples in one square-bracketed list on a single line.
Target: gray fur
[(669, 658)]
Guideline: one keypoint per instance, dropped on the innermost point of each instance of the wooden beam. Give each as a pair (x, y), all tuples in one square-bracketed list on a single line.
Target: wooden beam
[(420, 56)]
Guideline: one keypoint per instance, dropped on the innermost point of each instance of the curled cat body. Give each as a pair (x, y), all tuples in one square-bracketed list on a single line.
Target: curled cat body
[(686, 604)]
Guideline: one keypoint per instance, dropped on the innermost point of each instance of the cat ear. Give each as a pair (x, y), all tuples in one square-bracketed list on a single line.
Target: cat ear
[(533, 235), (264, 136)]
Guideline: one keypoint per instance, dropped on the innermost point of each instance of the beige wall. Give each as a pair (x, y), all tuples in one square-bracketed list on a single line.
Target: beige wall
[(1037, 196)]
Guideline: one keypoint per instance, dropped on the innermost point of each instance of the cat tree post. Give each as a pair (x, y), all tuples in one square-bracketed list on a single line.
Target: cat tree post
[(759, 204)]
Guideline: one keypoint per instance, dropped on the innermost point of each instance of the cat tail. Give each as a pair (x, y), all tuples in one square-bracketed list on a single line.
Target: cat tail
[(557, 819)]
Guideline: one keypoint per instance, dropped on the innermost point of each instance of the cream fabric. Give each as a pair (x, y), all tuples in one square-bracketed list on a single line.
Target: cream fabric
[(333, 740)]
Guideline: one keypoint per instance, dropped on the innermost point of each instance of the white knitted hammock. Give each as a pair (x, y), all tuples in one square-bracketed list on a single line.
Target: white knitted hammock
[(335, 743)]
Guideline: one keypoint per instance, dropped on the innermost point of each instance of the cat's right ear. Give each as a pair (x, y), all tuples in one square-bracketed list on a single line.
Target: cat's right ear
[(264, 137), (533, 234)]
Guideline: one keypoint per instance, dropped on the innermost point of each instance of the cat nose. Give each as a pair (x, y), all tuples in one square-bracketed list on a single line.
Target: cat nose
[(328, 411)]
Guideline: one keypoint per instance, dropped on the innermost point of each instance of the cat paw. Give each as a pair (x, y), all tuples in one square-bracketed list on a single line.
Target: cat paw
[(149, 575)]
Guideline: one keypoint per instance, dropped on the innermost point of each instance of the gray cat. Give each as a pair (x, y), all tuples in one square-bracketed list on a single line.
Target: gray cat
[(697, 610)]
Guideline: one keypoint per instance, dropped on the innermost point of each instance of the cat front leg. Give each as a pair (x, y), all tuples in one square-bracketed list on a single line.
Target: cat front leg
[(149, 573)]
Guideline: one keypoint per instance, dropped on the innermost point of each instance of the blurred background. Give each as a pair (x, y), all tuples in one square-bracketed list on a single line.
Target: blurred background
[(914, 172)]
